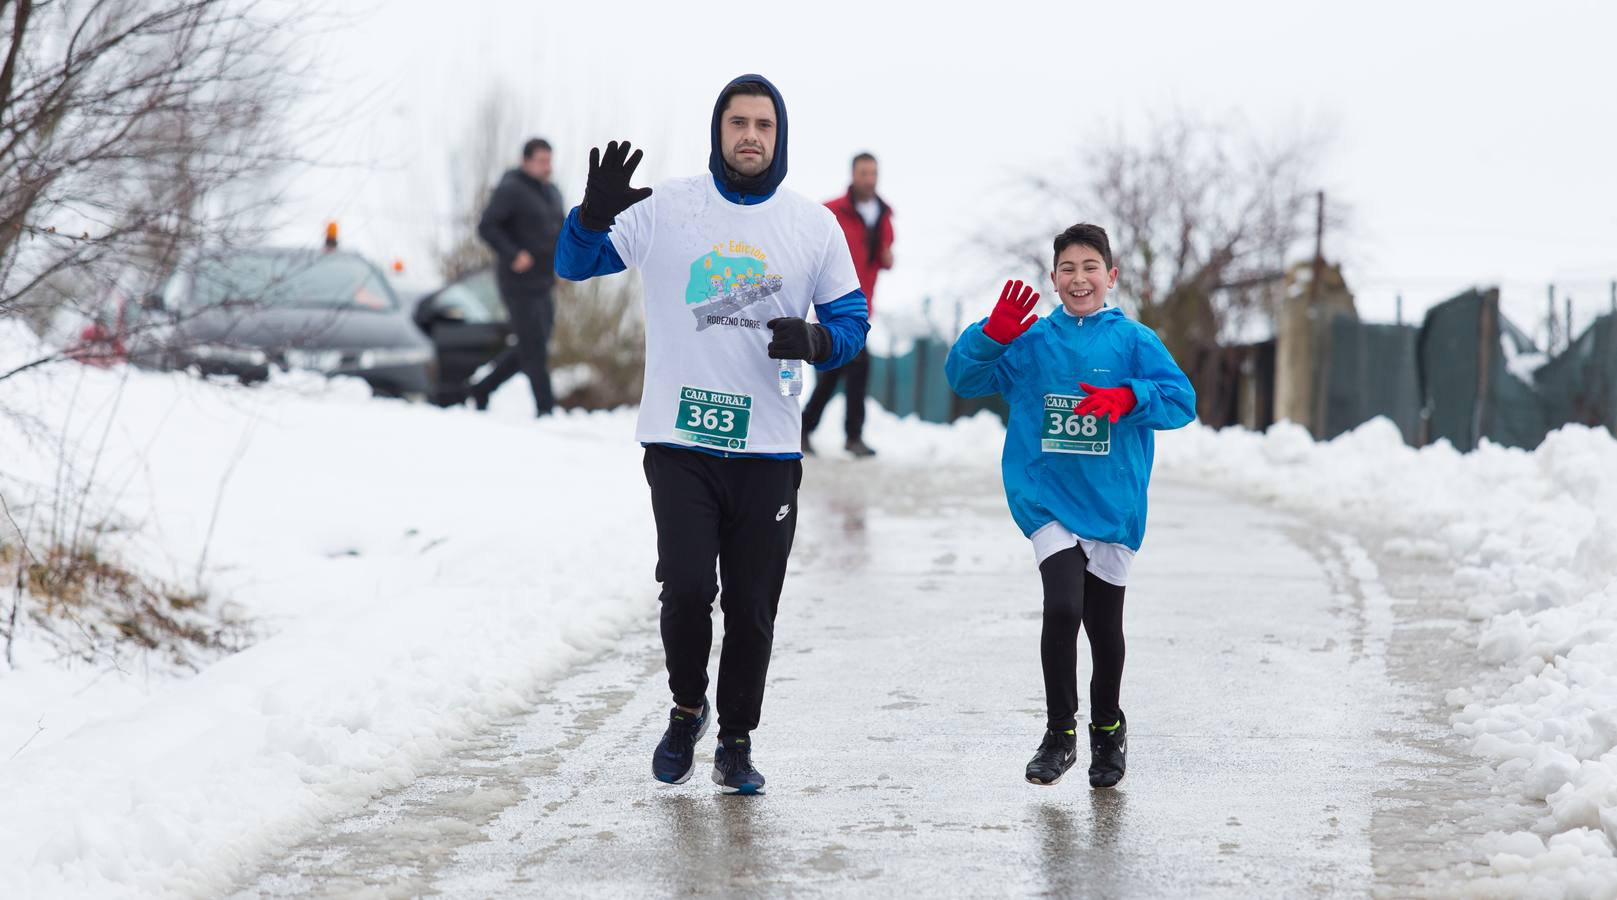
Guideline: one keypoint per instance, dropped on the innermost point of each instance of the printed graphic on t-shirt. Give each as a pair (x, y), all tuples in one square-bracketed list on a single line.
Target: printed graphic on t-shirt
[(725, 281)]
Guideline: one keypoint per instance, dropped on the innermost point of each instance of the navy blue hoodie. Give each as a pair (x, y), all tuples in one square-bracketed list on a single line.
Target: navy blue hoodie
[(737, 188)]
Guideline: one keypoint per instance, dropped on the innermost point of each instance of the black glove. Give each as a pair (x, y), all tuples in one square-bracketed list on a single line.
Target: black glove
[(797, 339), (607, 192)]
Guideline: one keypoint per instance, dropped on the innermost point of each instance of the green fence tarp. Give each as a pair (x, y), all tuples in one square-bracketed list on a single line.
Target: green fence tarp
[(1468, 393), (1580, 384), (1371, 371)]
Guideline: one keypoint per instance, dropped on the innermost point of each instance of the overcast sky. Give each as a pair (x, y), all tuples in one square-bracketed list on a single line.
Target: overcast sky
[(1471, 143)]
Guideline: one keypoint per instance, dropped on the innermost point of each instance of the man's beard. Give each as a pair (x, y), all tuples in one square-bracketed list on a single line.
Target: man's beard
[(743, 183)]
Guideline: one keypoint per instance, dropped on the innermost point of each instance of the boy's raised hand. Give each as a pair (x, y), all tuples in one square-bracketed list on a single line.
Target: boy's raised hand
[(1013, 314), (607, 192)]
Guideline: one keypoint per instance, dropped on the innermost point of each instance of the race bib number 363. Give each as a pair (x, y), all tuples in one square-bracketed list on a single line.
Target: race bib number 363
[(713, 418), (1066, 431)]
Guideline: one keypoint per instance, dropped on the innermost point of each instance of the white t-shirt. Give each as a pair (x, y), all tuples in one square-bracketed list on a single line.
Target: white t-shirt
[(714, 272), (868, 210), (1109, 562)]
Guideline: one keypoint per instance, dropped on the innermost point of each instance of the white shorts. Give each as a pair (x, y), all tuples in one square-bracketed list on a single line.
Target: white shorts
[(1109, 562)]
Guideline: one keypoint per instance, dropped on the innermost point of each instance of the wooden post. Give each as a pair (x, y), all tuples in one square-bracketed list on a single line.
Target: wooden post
[(1549, 327), (1316, 418)]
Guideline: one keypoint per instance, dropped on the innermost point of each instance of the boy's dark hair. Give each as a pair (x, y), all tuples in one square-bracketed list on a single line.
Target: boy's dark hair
[(862, 157), (533, 146), (1085, 235), (745, 89)]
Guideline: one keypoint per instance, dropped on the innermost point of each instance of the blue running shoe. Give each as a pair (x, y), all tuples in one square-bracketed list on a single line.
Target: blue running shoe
[(675, 758), (732, 767)]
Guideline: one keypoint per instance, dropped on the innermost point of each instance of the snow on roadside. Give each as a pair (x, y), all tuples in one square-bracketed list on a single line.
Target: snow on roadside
[(1533, 537), (414, 573)]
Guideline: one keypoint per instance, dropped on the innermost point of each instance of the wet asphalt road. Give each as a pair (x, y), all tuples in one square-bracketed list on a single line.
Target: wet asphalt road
[(905, 699)]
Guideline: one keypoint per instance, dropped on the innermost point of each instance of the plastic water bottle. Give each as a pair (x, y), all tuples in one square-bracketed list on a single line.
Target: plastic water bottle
[(791, 377)]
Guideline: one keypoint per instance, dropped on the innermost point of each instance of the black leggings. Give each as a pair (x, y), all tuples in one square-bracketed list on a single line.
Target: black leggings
[(1073, 596)]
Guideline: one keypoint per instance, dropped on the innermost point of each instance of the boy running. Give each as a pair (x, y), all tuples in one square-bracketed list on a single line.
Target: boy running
[(1087, 387)]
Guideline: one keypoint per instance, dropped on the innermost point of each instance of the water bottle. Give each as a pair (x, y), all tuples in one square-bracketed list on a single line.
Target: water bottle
[(791, 377)]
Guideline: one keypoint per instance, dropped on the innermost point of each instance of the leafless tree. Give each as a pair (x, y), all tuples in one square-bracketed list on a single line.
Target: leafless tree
[(130, 132), (485, 151), (599, 323), (1202, 216), (130, 129)]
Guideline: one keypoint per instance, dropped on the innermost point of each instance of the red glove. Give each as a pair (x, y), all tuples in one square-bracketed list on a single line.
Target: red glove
[(1113, 403), (1016, 302)]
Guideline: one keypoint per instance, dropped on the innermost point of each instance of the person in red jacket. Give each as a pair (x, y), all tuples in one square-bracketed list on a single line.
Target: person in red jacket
[(867, 221)]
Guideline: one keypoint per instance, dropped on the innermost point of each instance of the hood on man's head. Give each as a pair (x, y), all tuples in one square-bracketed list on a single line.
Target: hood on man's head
[(770, 178)]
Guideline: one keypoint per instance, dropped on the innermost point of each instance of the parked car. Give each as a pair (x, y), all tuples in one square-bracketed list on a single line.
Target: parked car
[(242, 312), (468, 326)]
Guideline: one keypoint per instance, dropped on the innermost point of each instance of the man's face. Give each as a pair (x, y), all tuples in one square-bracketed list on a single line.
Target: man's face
[(864, 179), (538, 165), (747, 134), (1081, 279)]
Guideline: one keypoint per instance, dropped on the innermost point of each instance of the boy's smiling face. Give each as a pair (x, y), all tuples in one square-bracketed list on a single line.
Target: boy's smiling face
[(1082, 280)]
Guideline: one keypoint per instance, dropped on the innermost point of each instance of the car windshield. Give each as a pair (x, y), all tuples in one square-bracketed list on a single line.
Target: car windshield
[(476, 298), (290, 280)]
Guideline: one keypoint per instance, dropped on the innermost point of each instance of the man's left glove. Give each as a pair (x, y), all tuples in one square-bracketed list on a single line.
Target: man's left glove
[(797, 339), (1114, 402)]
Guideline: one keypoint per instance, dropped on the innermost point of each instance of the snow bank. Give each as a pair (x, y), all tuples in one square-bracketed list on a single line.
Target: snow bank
[(413, 573), (1533, 537)]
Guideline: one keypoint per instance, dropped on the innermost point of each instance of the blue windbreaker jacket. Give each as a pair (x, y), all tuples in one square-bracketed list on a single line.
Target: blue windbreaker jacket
[(1102, 498)]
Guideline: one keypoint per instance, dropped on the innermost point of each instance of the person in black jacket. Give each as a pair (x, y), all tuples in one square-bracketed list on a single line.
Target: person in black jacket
[(521, 223)]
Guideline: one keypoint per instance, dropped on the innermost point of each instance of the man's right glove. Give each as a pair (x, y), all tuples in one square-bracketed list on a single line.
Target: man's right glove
[(607, 192), (797, 339), (1013, 314)]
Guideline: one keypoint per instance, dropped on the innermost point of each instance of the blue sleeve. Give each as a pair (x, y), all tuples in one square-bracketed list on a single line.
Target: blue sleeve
[(582, 253), (848, 320), (977, 365), (1163, 396)]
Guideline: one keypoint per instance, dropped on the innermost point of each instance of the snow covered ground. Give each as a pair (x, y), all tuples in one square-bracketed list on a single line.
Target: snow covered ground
[(411, 574), (1532, 537)]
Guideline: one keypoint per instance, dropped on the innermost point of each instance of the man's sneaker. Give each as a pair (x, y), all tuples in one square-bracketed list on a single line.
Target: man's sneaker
[(732, 767), (1108, 753), (859, 448), (676, 754), (1056, 755)]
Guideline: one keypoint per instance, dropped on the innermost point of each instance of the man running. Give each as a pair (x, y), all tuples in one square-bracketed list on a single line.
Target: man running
[(731, 263), (867, 222)]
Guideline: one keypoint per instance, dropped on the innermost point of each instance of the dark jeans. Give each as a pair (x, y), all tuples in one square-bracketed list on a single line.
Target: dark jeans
[(858, 374), (1073, 596), (740, 515), (533, 317)]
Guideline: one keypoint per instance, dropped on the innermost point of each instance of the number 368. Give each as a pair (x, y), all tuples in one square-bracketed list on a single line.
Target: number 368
[(1074, 426)]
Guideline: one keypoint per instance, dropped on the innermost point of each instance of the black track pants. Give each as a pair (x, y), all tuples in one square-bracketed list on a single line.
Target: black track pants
[(729, 523), (1073, 596)]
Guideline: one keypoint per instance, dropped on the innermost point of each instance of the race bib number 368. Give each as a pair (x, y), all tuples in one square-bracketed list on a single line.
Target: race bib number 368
[(713, 418), (1066, 431)]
